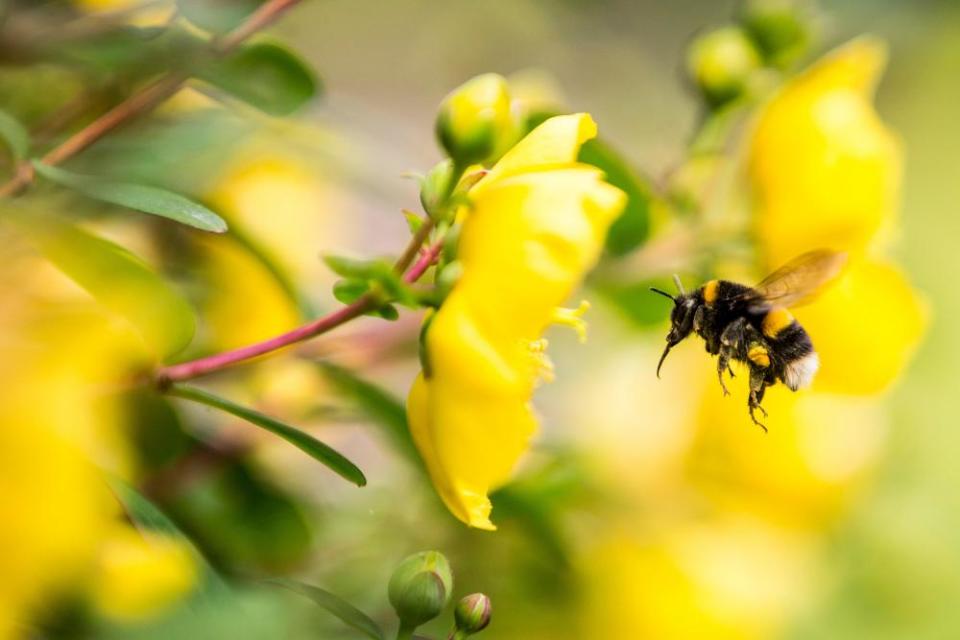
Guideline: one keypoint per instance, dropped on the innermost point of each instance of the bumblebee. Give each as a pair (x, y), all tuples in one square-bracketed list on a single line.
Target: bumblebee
[(752, 325)]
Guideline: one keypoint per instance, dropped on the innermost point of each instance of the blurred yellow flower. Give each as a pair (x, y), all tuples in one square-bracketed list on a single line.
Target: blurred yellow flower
[(732, 577), (825, 169), (156, 14), (537, 222), (865, 327), (287, 207), (138, 575), (245, 303), (819, 450), (57, 431)]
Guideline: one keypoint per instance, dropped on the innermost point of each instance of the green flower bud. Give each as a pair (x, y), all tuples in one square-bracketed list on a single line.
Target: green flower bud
[(420, 588), (474, 120), (436, 188), (721, 63), (472, 613), (448, 277), (781, 29)]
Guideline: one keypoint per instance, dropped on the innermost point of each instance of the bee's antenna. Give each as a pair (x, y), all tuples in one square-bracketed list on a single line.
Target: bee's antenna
[(663, 293), (676, 280)]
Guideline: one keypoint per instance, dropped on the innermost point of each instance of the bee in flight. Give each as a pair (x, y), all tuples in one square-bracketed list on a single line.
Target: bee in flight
[(752, 325)]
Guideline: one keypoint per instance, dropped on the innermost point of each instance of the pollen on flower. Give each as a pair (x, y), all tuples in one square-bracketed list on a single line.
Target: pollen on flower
[(572, 318), (543, 363)]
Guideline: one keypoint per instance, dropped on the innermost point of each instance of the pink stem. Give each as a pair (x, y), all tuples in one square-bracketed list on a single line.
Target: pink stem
[(218, 361), (426, 259)]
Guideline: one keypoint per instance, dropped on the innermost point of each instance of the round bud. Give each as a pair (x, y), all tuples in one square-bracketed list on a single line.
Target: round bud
[(474, 119), (721, 63), (436, 187), (420, 588), (473, 613), (780, 28)]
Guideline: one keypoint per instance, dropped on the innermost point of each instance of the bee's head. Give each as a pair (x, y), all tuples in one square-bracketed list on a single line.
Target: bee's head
[(681, 318)]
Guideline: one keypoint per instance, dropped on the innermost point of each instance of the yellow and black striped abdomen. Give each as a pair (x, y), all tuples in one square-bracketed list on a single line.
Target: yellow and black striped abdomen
[(792, 345), (776, 321)]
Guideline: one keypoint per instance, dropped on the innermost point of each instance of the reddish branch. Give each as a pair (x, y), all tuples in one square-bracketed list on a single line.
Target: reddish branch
[(365, 304), (145, 100)]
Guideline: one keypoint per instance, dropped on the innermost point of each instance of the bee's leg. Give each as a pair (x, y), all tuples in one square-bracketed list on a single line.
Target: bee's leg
[(758, 387), (722, 365), (732, 346)]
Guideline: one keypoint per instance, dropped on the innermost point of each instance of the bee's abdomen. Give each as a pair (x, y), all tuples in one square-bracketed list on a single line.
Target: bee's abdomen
[(797, 359)]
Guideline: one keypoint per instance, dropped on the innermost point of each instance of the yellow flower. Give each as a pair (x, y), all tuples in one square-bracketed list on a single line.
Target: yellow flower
[(730, 577), (56, 432), (141, 574), (865, 328), (825, 169), (537, 222), (819, 450)]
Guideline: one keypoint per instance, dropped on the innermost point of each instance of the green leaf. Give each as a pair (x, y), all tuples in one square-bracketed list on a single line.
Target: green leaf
[(414, 221), (116, 278), (15, 135), (335, 605), (303, 441), (378, 404), (631, 229), (266, 76), (218, 16), (355, 267), (350, 290), (159, 202), (388, 312), (377, 276)]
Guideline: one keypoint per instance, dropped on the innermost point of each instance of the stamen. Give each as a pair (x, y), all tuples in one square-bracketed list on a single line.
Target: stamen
[(572, 318)]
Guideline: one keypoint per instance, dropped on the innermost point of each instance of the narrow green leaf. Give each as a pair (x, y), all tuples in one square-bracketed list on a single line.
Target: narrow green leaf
[(15, 135), (356, 267), (631, 229), (266, 76), (303, 441), (153, 200), (218, 16), (379, 405), (119, 280), (346, 612)]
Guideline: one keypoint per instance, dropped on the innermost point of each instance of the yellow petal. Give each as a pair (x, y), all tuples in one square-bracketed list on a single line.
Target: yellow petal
[(556, 141)]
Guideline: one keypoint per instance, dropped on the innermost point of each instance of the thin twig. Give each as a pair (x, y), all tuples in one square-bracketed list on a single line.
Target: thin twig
[(365, 304), (145, 100)]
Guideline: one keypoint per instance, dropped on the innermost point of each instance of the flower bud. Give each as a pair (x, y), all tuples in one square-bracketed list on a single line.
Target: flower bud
[(420, 588), (780, 28), (721, 63), (436, 187), (472, 613), (474, 119)]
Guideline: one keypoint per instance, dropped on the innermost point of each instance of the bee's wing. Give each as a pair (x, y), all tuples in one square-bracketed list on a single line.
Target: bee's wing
[(798, 282)]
